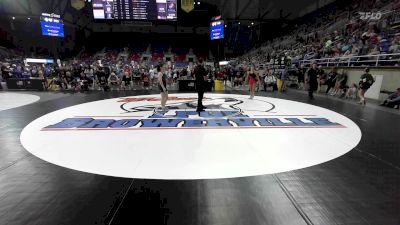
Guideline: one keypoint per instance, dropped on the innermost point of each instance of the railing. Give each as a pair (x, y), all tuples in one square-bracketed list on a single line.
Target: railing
[(357, 61)]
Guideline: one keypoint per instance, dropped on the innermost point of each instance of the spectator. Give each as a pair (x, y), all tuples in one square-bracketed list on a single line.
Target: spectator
[(103, 84), (331, 80), (17, 73), (284, 77), (300, 76), (365, 83), (42, 77), (5, 71), (393, 100), (395, 45), (322, 77), (340, 82), (311, 80), (238, 80), (89, 72), (67, 80), (26, 73), (100, 73), (126, 80), (113, 81), (54, 84), (352, 91), (270, 81), (152, 74), (34, 72), (146, 80), (374, 51)]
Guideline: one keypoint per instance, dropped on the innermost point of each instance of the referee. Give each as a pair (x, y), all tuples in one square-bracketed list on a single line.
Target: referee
[(201, 76)]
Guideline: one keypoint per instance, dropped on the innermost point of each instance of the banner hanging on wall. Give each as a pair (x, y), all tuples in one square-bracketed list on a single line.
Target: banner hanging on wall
[(78, 4), (187, 5)]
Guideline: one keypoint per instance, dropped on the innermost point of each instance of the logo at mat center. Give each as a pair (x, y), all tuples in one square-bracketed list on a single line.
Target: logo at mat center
[(141, 113)]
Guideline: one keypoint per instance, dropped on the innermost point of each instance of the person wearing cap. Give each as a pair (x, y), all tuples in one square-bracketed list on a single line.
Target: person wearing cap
[(200, 74), (393, 100), (365, 83)]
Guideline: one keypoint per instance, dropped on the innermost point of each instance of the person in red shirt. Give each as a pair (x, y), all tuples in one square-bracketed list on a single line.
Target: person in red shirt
[(146, 79), (220, 74), (374, 39), (252, 77)]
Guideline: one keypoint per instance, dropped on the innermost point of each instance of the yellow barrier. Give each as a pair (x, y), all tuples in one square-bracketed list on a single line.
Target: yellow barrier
[(279, 84), (219, 85)]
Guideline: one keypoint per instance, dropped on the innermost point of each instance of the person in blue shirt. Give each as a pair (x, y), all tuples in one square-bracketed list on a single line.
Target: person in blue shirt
[(47, 71), (284, 77), (17, 73)]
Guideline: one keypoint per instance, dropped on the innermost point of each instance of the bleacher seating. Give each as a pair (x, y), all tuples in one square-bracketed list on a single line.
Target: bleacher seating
[(344, 33)]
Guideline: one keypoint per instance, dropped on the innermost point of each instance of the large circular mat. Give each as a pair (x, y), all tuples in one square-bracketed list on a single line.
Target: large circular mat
[(235, 137)]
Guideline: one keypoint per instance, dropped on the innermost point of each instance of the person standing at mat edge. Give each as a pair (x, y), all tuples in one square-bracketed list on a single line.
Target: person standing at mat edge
[(312, 80), (201, 77), (162, 85), (366, 81), (252, 77)]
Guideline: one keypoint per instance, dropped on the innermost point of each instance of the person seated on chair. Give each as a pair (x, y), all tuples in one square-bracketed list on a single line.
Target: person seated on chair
[(54, 84), (126, 80), (67, 80), (113, 81), (331, 80), (270, 81), (84, 82), (237, 80), (393, 100), (103, 83), (352, 91)]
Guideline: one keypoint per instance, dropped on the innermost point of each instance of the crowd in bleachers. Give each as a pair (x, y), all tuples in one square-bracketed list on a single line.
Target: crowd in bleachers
[(332, 33), (330, 81), (336, 33), (109, 73), (81, 76), (106, 70)]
